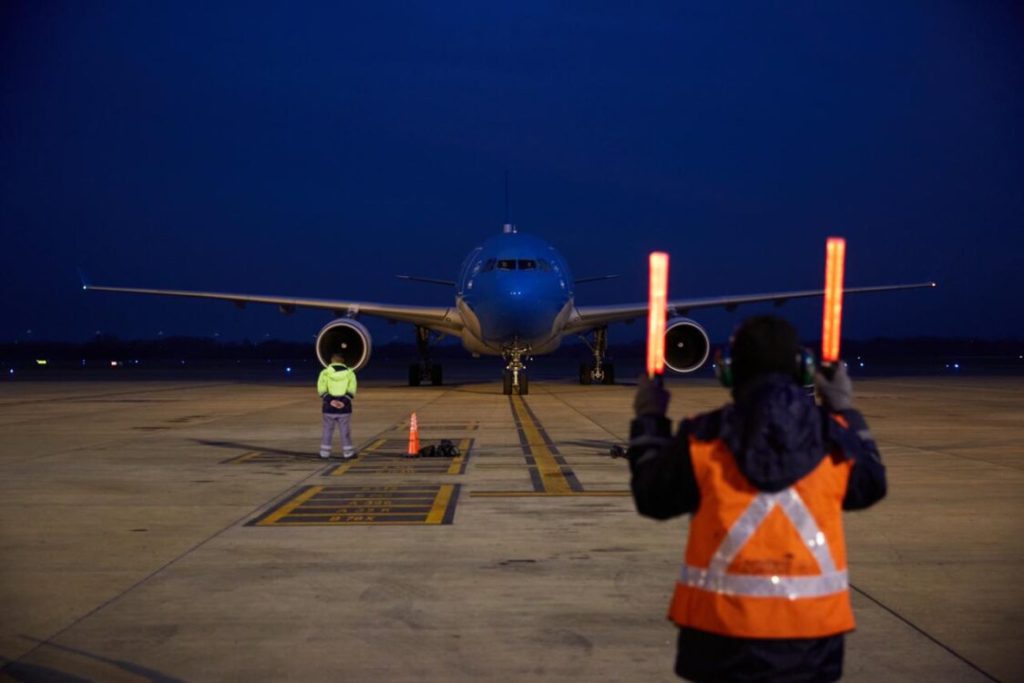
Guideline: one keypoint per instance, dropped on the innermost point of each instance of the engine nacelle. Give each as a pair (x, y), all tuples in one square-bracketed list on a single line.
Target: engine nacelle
[(686, 345), (345, 336)]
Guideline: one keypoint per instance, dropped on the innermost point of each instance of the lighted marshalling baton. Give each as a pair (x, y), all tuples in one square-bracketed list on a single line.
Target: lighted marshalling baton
[(835, 255), (656, 314)]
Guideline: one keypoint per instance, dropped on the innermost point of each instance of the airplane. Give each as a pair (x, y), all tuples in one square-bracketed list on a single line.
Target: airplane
[(514, 298)]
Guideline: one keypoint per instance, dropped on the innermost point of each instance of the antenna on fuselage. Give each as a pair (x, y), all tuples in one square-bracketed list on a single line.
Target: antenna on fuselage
[(508, 228)]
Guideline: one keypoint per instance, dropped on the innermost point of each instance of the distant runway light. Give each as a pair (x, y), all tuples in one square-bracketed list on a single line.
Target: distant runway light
[(287, 369)]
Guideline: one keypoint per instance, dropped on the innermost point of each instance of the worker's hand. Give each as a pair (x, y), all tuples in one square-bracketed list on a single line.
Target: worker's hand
[(336, 403), (834, 387), (651, 397)]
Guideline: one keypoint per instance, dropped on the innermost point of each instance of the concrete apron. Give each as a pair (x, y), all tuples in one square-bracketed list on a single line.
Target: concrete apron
[(188, 531)]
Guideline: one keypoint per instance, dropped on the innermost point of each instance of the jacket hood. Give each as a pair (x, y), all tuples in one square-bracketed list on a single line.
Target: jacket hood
[(774, 431), (335, 369)]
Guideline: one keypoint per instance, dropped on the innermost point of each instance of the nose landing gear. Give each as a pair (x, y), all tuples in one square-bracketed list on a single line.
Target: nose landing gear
[(514, 379)]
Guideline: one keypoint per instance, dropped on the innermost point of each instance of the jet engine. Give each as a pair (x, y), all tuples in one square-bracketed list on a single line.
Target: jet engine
[(345, 336), (686, 345)]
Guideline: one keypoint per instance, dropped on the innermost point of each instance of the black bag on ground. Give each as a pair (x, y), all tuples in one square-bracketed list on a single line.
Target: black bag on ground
[(447, 449)]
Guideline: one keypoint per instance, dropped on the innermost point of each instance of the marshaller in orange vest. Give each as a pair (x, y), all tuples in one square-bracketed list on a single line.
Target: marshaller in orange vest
[(762, 592)]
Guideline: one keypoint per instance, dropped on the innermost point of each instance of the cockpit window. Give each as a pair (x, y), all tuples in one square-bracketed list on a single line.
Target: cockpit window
[(506, 264), (489, 265), (527, 264)]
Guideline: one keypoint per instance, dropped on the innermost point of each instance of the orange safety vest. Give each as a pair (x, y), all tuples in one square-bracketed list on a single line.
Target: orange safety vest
[(764, 565)]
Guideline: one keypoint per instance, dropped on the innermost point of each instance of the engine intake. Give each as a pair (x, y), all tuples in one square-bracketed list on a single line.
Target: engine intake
[(348, 337), (686, 345)]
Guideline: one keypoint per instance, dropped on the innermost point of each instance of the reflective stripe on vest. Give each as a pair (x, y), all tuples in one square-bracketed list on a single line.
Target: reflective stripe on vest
[(716, 577), (764, 565)]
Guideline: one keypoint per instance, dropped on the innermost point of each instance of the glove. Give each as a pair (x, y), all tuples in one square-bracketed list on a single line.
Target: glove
[(651, 397), (835, 391)]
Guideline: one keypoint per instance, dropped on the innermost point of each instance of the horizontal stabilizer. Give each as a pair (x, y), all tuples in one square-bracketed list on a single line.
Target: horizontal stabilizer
[(431, 280), (596, 278)]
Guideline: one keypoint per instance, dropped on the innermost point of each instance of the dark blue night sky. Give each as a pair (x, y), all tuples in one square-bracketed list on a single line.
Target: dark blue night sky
[(308, 151)]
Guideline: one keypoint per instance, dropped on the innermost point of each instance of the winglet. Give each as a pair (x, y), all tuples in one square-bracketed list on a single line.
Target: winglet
[(81, 276)]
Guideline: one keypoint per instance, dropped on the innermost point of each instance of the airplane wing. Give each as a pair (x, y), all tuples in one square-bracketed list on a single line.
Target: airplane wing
[(586, 318), (439, 318)]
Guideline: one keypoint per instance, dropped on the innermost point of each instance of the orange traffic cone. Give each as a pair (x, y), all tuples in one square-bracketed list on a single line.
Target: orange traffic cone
[(414, 437)]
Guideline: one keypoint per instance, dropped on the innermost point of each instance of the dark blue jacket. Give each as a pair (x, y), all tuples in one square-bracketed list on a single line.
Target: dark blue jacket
[(777, 435)]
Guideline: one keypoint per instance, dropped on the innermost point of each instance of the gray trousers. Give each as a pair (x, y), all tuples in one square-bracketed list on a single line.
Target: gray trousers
[(343, 422)]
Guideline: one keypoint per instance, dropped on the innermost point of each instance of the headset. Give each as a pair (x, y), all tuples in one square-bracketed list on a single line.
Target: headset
[(803, 370)]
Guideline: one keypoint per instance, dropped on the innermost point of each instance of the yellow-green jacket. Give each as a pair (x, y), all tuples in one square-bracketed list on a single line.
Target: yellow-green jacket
[(337, 382)]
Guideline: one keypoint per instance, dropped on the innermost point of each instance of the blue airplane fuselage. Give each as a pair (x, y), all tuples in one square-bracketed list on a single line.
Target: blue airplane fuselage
[(514, 289)]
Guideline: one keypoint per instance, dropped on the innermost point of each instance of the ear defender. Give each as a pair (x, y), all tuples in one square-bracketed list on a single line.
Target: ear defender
[(723, 366), (803, 372), (805, 367)]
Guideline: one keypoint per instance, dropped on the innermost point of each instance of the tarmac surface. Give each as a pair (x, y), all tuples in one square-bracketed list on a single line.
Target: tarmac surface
[(185, 530)]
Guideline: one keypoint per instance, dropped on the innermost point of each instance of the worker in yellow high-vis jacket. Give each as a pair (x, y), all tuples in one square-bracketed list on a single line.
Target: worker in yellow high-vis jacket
[(337, 388)]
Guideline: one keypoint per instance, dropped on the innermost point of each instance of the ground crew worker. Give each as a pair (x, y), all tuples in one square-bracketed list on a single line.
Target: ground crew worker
[(337, 388), (763, 593)]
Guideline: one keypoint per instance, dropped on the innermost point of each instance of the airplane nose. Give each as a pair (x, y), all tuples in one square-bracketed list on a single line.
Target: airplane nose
[(519, 315)]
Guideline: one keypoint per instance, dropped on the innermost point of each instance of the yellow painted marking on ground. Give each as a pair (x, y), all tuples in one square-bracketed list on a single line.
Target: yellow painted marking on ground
[(368, 522), (457, 461), (246, 456), (373, 491), (290, 505), (315, 508), (345, 467), (418, 501), (363, 510), (551, 476), (541, 494), (444, 496)]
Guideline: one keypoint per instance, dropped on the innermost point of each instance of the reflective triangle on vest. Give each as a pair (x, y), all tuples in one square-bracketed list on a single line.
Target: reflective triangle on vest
[(717, 577)]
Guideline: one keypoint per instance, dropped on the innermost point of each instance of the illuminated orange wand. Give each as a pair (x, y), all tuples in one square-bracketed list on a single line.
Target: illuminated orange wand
[(656, 314), (835, 255)]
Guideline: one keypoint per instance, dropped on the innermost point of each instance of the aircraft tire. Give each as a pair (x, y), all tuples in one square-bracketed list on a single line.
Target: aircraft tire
[(524, 384), (585, 377), (414, 375), (436, 375), (506, 384), (609, 374)]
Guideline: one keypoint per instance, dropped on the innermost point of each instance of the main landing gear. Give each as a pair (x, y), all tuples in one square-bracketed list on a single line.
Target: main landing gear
[(424, 370), (597, 370), (514, 380)]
